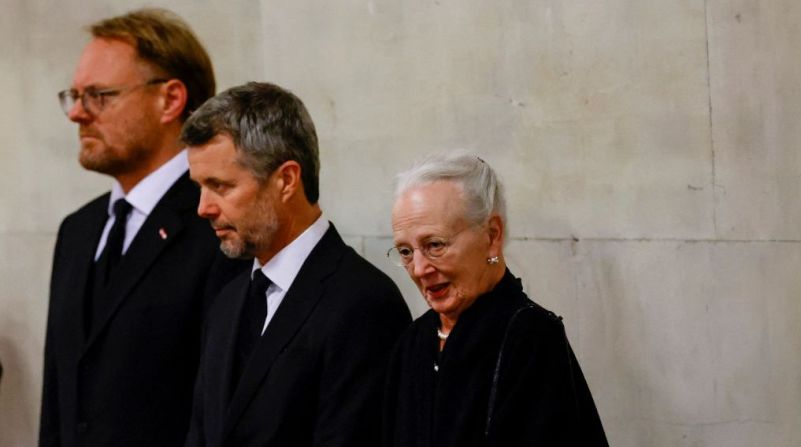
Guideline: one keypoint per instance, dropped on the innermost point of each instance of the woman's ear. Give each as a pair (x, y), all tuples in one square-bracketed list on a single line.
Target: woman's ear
[(174, 98), (495, 230)]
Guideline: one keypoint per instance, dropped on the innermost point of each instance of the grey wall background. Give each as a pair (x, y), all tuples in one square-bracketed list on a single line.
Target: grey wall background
[(649, 148)]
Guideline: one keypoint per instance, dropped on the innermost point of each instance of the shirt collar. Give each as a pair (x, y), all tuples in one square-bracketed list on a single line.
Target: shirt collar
[(147, 193), (285, 265)]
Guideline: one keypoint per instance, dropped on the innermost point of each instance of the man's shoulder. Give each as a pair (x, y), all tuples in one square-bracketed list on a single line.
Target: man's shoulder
[(331, 252), (94, 209), (358, 287), (98, 203), (359, 297), (181, 195), (354, 264)]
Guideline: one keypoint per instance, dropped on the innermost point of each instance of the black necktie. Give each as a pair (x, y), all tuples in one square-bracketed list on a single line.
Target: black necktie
[(113, 252), (251, 322), (97, 303)]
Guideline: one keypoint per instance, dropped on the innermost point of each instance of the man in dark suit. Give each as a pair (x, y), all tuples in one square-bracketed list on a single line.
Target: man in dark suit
[(132, 268), (294, 350)]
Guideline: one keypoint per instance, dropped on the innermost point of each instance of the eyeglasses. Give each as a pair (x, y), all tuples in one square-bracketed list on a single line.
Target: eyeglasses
[(433, 247), (93, 100)]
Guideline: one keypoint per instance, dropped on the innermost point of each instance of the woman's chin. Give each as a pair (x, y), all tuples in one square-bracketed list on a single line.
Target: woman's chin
[(442, 305)]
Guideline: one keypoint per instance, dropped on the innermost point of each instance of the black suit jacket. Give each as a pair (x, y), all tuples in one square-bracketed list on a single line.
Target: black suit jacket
[(314, 377), (129, 382)]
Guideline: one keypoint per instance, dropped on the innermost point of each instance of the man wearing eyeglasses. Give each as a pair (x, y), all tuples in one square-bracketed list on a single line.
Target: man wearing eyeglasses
[(132, 269)]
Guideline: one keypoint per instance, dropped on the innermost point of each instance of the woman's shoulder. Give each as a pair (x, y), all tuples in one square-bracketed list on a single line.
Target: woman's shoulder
[(523, 308), (531, 320), (534, 311)]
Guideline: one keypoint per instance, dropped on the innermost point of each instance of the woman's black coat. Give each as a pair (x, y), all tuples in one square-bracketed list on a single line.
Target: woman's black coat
[(443, 399)]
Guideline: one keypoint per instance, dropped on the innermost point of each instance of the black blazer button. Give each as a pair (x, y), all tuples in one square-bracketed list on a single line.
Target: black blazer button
[(82, 427)]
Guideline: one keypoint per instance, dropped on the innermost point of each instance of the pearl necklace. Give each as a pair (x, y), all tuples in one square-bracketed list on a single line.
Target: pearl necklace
[(441, 335)]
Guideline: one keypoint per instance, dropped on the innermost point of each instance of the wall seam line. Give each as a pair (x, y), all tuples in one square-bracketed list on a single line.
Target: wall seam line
[(711, 122)]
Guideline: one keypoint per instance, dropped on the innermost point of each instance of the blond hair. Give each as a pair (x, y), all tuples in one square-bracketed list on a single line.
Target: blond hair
[(166, 41)]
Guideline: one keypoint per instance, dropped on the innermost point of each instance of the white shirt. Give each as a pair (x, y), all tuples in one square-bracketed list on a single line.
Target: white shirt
[(282, 269), (143, 198)]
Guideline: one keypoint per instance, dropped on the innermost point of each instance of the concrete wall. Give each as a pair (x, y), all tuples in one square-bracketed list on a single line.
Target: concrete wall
[(649, 149)]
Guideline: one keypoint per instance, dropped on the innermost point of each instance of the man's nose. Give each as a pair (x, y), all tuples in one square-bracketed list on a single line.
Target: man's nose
[(206, 207), (78, 113)]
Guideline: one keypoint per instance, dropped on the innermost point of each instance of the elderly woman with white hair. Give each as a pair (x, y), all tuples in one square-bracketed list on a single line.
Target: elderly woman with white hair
[(485, 366)]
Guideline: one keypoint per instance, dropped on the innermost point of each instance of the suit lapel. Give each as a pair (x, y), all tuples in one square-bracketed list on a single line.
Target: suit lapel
[(161, 227), (298, 304), (83, 251), (232, 320)]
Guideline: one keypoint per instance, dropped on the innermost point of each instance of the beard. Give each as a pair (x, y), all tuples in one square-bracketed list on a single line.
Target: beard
[(253, 234), (96, 155)]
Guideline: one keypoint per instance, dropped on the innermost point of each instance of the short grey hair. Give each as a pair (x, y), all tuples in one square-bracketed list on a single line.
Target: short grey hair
[(268, 125), (483, 191)]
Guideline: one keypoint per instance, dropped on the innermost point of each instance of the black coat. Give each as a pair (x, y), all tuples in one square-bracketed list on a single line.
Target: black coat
[(315, 376), (541, 396), (129, 383)]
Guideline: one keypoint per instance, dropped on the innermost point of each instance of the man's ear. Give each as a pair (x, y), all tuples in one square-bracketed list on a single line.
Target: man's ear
[(173, 100), (288, 179)]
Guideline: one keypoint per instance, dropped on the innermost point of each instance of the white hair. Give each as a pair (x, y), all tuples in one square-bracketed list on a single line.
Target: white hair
[(483, 191)]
